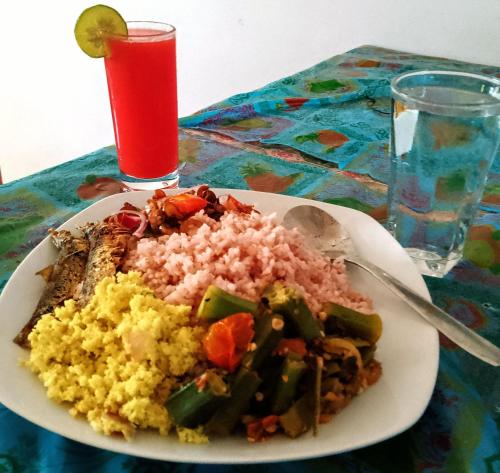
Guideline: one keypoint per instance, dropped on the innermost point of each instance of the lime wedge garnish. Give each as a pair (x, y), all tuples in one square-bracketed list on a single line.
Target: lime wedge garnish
[(94, 25)]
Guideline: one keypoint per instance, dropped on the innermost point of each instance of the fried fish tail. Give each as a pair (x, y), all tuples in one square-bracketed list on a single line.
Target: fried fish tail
[(63, 280)]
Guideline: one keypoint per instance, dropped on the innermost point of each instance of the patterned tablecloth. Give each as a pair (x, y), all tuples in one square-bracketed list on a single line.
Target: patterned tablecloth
[(321, 134)]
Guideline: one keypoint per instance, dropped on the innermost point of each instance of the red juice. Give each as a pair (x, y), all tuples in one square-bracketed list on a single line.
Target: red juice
[(142, 84)]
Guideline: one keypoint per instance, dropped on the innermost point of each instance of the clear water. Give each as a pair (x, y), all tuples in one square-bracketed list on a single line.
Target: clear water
[(439, 165)]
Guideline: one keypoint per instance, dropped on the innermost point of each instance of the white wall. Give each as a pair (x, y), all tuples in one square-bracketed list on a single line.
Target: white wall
[(53, 99)]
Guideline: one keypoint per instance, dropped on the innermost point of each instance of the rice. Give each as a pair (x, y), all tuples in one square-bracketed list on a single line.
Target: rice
[(242, 254)]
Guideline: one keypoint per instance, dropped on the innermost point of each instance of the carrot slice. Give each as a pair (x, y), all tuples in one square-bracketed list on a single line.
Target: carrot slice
[(227, 340)]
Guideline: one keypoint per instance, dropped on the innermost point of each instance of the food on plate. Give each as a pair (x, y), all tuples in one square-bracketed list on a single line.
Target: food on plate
[(107, 246), (117, 359), (217, 304), (63, 278), (201, 315), (81, 263), (241, 253)]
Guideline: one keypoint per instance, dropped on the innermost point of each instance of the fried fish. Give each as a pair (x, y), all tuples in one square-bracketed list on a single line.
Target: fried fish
[(108, 245), (63, 279)]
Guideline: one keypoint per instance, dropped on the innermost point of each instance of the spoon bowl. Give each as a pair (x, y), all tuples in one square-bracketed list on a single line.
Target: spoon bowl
[(323, 231), (328, 236)]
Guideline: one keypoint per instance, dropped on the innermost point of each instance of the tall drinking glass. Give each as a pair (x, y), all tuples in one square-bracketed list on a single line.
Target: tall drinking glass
[(142, 84), (445, 136)]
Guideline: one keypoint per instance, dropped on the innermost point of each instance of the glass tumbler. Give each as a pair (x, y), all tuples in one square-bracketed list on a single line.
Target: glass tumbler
[(445, 136), (142, 84)]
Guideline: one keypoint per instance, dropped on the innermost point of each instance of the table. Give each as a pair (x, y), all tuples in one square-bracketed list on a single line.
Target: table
[(321, 134)]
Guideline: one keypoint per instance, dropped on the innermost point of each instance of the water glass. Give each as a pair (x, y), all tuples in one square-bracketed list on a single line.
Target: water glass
[(445, 136)]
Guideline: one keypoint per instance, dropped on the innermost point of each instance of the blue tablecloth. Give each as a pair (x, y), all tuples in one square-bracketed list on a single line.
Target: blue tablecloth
[(320, 134)]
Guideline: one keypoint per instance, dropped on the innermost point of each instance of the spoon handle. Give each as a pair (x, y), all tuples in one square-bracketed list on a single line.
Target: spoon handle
[(465, 338)]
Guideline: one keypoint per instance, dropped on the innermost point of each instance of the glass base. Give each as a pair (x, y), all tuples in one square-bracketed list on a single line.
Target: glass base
[(170, 181), (432, 264)]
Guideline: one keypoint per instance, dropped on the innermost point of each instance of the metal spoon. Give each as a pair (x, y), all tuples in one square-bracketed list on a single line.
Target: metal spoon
[(328, 236)]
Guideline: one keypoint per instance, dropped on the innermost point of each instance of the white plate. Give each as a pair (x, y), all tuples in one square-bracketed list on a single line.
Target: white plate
[(408, 350)]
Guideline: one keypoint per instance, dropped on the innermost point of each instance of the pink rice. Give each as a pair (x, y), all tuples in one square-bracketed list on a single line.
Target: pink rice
[(242, 254)]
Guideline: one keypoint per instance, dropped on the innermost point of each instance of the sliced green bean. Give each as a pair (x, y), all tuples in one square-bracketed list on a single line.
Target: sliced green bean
[(287, 301), (268, 333), (318, 378), (286, 387), (300, 417), (217, 304), (227, 416), (344, 321), (193, 404)]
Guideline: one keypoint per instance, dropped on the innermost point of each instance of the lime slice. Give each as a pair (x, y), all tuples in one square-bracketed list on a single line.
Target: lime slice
[(94, 25)]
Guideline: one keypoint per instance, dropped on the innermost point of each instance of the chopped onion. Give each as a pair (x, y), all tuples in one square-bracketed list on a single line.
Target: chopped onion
[(144, 223), (139, 231)]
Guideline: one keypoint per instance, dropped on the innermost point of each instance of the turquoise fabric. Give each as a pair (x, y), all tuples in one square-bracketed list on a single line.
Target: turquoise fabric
[(320, 134)]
